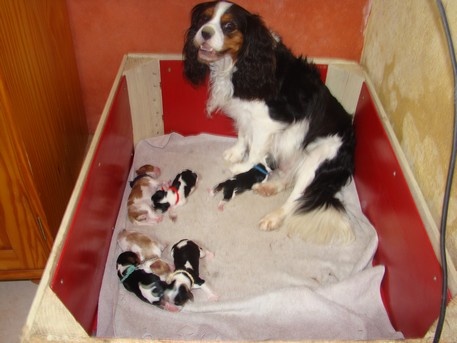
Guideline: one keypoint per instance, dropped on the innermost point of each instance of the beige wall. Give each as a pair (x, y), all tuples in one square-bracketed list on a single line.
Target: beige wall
[(406, 56)]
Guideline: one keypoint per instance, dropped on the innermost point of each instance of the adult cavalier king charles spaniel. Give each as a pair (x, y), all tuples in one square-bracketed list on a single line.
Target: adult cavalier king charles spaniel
[(280, 107)]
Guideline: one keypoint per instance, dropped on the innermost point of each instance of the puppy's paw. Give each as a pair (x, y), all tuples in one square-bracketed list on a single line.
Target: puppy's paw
[(208, 255), (234, 154), (171, 307), (265, 189), (272, 221), (213, 297), (221, 205)]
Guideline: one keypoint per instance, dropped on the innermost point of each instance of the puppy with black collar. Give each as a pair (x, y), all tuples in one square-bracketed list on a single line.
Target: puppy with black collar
[(168, 198), (243, 182), (186, 255), (145, 285)]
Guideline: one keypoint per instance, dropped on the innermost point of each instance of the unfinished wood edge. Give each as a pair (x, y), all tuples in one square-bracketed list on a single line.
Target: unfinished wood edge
[(134, 60), (54, 322), (427, 218), (145, 98), (449, 332), (345, 83), (34, 319)]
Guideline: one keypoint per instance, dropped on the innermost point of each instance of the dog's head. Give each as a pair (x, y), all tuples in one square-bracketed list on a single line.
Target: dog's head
[(178, 291), (223, 30), (126, 260), (160, 201), (187, 179), (150, 170)]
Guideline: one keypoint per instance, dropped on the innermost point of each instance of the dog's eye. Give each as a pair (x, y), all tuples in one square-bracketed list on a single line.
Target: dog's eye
[(229, 27)]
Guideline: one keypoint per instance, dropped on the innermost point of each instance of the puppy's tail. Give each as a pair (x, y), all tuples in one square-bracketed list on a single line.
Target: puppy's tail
[(320, 217)]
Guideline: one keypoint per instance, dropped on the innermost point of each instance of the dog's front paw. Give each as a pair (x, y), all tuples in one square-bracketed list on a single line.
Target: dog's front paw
[(272, 221), (265, 189), (234, 155)]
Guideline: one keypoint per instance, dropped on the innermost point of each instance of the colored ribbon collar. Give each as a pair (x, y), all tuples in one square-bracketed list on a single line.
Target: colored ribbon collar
[(182, 271), (129, 271), (174, 190), (261, 169)]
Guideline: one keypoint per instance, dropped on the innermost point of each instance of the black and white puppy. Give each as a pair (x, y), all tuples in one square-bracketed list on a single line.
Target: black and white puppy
[(168, 198), (280, 105), (145, 285), (243, 182), (186, 255)]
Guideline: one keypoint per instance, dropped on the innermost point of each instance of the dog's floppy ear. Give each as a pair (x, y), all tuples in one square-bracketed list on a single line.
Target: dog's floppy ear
[(184, 295), (194, 71), (255, 74)]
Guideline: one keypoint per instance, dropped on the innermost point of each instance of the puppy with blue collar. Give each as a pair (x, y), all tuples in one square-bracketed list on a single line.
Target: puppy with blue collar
[(243, 182), (186, 256)]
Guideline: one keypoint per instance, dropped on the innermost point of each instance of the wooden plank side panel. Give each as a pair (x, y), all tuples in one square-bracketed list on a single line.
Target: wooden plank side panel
[(184, 105), (411, 287), (79, 270)]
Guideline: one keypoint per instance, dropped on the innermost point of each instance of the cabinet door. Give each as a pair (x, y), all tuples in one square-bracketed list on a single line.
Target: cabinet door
[(24, 247), (38, 69)]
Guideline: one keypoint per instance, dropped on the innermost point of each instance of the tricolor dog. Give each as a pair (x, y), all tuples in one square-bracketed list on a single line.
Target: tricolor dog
[(144, 185), (186, 255), (243, 182), (281, 106), (168, 198), (148, 250), (145, 285)]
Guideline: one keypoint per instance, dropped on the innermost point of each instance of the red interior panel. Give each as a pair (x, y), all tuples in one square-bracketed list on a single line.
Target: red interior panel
[(79, 271), (184, 104), (411, 287)]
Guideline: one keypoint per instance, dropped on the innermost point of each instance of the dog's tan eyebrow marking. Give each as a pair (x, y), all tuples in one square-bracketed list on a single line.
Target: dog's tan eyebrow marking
[(226, 17), (209, 12)]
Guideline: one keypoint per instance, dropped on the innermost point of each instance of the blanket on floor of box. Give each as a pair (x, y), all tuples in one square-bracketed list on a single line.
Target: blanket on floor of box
[(270, 285)]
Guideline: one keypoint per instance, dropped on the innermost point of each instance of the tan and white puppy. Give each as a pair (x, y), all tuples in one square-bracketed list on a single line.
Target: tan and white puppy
[(139, 205), (148, 250)]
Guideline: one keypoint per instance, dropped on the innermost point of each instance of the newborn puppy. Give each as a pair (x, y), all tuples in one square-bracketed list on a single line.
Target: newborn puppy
[(168, 198), (186, 255), (148, 250), (139, 204), (145, 285), (244, 181)]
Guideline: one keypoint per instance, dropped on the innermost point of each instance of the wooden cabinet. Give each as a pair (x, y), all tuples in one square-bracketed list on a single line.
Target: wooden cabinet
[(43, 131)]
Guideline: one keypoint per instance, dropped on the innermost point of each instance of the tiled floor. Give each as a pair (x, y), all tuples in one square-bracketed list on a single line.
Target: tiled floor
[(15, 300)]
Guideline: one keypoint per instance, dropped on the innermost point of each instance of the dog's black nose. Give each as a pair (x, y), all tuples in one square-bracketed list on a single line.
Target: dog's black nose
[(207, 32)]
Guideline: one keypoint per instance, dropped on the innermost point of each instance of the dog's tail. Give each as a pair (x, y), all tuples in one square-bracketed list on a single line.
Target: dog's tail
[(320, 217)]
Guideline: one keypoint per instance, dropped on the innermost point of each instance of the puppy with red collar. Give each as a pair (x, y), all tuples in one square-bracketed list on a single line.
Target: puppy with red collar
[(186, 255), (168, 198), (145, 184)]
